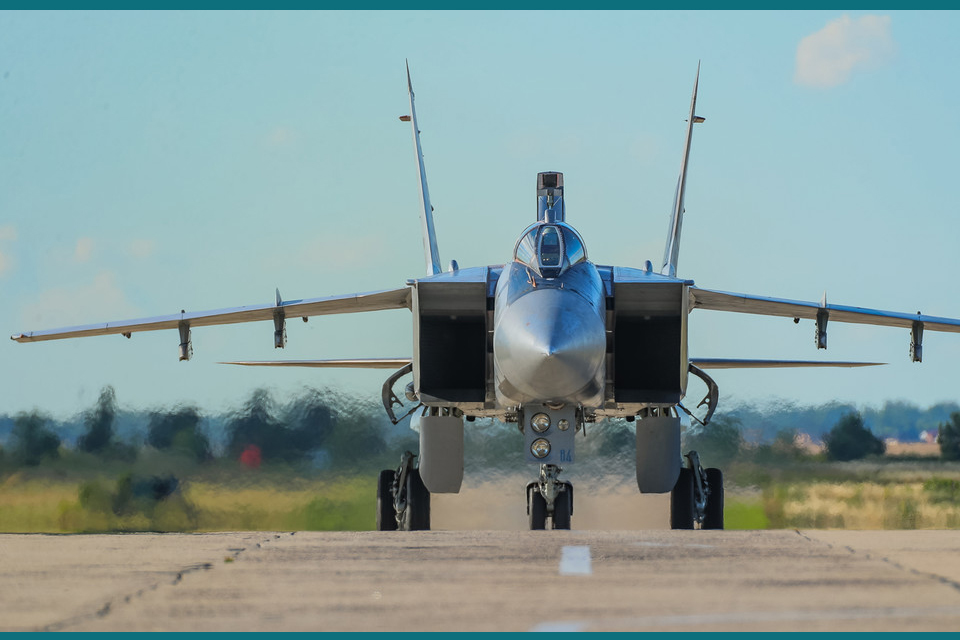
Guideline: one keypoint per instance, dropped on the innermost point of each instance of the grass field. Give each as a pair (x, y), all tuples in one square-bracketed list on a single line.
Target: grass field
[(872, 495), (45, 506)]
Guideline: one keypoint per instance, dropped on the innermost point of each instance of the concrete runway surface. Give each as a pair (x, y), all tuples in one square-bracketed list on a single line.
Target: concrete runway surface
[(641, 580)]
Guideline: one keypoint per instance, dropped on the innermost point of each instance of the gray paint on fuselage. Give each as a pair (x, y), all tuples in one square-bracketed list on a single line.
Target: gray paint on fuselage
[(549, 340)]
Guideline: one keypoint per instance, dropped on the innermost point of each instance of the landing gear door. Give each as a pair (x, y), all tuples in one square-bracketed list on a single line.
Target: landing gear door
[(658, 453)]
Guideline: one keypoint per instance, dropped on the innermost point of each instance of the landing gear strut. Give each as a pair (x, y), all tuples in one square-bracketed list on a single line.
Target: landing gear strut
[(403, 501), (697, 498), (551, 498)]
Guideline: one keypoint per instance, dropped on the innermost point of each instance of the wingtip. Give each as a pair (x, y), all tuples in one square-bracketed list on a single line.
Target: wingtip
[(409, 81), (696, 83)]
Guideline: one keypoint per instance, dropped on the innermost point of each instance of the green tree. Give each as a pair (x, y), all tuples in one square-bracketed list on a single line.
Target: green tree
[(309, 423), (254, 425), (948, 437), (717, 443), (99, 423), (785, 443), (310, 419), (179, 431), (850, 439), (31, 440)]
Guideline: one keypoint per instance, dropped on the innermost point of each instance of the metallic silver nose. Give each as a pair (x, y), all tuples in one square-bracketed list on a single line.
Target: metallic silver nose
[(549, 344)]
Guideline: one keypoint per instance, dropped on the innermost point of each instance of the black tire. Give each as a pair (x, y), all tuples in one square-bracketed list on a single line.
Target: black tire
[(386, 514), (713, 514), (563, 509), (681, 501), (537, 508), (418, 502)]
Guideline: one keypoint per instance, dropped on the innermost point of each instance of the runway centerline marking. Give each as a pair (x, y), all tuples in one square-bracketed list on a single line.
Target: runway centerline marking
[(575, 561)]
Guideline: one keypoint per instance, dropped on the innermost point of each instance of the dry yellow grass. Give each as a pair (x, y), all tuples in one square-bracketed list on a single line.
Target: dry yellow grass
[(32, 507), (42, 506), (324, 505), (900, 501), (924, 449), (863, 505)]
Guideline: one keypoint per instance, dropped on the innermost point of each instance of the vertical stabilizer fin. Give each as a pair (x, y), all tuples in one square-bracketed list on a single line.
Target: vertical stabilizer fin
[(672, 250), (429, 234)]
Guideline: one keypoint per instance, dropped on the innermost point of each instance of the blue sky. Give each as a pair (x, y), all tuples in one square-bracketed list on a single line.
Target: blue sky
[(152, 162)]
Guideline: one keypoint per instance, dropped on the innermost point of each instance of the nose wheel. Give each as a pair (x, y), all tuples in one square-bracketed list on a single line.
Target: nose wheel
[(549, 498)]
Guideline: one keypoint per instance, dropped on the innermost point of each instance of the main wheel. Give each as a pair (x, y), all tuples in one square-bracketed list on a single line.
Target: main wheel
[(681, 501), (563, 509), (386, 514), (537, 509), (418, 503), (713, 513)]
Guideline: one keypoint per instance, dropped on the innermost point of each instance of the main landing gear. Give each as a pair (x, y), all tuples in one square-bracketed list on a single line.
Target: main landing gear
[(551, 498), (697, 498), (403, 502)]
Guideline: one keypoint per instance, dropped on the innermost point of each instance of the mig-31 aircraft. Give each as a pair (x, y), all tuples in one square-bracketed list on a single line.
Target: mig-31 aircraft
[(550, 341)]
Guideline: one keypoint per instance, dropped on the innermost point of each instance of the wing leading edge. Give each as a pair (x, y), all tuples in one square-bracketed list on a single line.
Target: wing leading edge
[(352, 303), (759, 305), (396, 363), (740, 363), (351, 363)]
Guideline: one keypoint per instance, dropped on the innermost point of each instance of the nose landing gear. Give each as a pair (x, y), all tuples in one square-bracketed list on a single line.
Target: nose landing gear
[(551, 498)]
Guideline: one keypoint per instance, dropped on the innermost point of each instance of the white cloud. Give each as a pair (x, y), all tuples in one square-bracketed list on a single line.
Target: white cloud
[(829, 57), (99, 301), (9, 232), (83, 250), (140, 248)]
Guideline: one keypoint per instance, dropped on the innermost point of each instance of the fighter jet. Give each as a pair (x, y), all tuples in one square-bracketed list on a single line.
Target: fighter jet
[(550, 341)]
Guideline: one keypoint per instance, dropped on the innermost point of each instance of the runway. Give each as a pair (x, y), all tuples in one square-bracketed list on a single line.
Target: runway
[(644, 580)]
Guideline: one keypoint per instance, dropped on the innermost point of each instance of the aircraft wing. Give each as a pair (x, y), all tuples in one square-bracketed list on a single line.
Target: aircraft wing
[(743, 303), (352, 363), (352, 303), (740, 363)]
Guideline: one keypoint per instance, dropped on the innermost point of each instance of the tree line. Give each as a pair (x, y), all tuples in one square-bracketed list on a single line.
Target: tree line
[(304, 429), (329, 429)]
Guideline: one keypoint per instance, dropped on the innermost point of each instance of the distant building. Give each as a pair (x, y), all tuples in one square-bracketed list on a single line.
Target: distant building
[(805, 441)]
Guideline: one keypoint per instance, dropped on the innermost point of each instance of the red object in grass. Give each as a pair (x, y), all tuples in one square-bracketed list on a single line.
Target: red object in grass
[(251, 456)]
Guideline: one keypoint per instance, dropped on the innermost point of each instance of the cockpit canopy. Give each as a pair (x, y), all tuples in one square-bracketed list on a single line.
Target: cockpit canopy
[(550, 248)]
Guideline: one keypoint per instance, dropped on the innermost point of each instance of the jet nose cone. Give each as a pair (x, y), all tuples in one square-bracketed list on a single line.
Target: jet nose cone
[(550, 344)]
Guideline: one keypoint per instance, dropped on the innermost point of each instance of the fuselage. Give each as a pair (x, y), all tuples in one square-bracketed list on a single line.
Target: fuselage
[(549, 339)]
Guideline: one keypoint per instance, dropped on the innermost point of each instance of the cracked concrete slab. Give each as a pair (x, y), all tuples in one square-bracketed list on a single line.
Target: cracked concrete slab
[(483, 581), (51, 582)]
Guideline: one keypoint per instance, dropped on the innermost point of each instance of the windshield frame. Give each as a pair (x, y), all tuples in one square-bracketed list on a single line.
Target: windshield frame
[(528, 249)]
